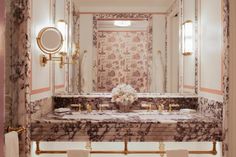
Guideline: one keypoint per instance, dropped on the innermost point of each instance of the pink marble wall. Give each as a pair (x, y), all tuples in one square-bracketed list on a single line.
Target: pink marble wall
[(122, 57), (226, 35), (18, 48), (2, 53)]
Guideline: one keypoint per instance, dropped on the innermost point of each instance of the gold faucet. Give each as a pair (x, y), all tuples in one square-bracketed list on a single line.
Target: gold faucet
[(160, 107), (149, 107), (101, 106), (79, 107), (170, 107), (76, 107), (89, 108)]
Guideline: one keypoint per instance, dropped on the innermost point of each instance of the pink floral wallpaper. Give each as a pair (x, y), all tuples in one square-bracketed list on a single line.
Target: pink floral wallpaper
[(122, 57)]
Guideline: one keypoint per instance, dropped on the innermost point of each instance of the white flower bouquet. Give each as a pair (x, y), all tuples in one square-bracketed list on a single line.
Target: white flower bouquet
[(124, 94)]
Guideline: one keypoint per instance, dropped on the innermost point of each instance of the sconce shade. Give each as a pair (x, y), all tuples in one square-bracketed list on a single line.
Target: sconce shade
[(188, 37)]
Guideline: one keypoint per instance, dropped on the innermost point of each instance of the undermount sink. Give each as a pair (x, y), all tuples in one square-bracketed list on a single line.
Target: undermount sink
[(136, 114), (86, 116)]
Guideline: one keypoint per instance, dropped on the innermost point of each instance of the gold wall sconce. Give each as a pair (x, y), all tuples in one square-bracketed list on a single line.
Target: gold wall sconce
[(74, 58), (50, 42), (188, 39), (76, 54)]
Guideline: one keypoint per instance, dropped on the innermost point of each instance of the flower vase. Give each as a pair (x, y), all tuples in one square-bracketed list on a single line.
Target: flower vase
[(125, 107)]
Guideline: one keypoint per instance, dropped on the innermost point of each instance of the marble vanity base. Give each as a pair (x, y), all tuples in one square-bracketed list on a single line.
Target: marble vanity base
[(197, 128), (148, 132)]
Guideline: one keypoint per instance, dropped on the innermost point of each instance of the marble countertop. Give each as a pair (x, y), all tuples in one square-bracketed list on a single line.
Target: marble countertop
[(135, 126), (136, 116)]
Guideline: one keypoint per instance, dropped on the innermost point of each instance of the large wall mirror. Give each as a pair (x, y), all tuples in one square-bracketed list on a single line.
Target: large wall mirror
[(124, 54), (133, 42)]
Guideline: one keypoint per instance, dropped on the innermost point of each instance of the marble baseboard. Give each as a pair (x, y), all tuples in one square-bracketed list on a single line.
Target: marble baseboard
[(41, 107), (191, 103), (211, 108)]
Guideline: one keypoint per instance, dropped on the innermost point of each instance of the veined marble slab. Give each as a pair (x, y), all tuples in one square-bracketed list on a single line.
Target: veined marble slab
[(134, 126), (96, 100)]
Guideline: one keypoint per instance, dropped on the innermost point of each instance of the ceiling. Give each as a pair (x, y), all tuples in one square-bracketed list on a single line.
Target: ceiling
[(125, 3)]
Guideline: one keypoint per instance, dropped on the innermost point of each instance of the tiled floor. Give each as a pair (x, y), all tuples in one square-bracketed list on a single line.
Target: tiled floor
[(132, 146)]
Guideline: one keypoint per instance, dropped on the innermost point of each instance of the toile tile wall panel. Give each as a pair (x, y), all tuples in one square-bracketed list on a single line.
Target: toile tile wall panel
[(122, 57)]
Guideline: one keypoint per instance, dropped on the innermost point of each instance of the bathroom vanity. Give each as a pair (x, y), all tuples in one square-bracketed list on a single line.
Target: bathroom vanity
[(141, 124)]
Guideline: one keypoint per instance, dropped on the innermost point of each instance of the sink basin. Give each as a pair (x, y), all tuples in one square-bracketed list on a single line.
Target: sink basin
[(137, 114), (166, 117), (187, 111)]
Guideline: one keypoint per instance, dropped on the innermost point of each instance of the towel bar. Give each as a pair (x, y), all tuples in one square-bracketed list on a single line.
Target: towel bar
[(18, 130), (125, 151)]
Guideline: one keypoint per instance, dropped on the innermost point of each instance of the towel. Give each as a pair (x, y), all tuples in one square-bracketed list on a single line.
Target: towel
[(177, 153), (11, 144), (78, 153)]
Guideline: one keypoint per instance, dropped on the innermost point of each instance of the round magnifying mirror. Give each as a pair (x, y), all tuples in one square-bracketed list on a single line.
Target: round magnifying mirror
[(50, 40)]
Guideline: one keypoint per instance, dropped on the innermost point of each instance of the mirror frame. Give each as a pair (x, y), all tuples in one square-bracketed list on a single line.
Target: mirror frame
[(42, 47)]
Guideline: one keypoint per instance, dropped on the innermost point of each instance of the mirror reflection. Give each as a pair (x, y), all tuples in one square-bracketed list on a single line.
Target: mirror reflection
[(145, 47)]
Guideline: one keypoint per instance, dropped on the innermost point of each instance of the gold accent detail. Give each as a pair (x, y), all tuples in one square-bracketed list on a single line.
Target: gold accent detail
[(187, 53), (88, 145), (149, 107), (18, 130), (44, 60), (125, 151), (162, 148), (89, 108), (76, 54), (160, 108), (42, 48), (76, 107), (61, 20), (171, 107), (187, 21), (101, 106)]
